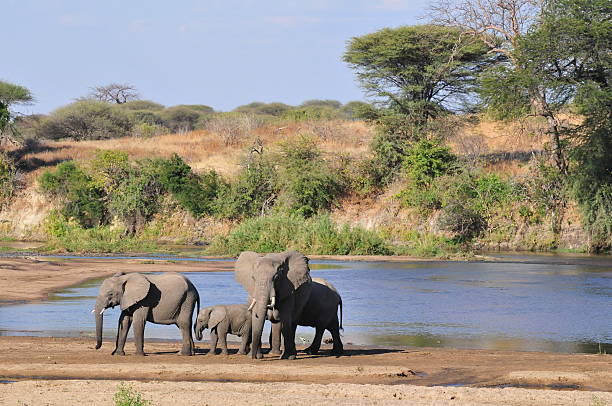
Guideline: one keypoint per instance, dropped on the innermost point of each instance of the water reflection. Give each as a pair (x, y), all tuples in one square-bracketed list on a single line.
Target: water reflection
[(538, 305)]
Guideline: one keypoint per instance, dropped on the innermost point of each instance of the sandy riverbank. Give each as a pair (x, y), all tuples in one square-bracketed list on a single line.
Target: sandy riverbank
[(67, 371)]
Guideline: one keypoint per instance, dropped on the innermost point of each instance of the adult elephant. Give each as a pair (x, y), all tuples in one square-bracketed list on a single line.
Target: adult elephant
[(168, 298), (320, 312), (280, 282)]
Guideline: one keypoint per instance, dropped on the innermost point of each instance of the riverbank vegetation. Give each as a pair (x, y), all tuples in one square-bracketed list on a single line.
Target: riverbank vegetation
[(499, 139)]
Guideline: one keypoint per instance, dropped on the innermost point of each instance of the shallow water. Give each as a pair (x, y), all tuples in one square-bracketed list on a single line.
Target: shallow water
[(532, 303)]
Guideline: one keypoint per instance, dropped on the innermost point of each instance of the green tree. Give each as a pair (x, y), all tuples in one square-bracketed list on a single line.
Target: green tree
[(11, 94), (418, 71)]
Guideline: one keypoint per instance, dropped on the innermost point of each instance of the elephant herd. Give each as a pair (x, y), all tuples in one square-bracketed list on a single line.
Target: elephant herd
[(279, 289)]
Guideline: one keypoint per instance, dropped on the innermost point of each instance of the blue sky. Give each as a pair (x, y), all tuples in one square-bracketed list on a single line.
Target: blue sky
[(219, 53)]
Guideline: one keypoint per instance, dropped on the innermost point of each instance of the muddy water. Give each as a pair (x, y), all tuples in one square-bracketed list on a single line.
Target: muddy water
[(532, 303)]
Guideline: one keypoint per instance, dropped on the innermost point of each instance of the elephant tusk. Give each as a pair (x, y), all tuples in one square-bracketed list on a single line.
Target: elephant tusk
[(273, 302), (93, 311), (102, 311), (252, 305)]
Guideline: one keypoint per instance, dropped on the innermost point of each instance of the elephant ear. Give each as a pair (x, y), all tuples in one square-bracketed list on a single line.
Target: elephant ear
[(216, 316), (296, 270), (135, 288), (243, 270)]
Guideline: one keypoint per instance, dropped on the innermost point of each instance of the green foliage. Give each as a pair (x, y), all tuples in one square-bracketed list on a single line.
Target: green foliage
[(462, 220), (195, 193), (309, 184), (311, 113), (107, 168), (146, 130), (427, 160), (81, 196), (410, 68), (333, 104), (425, 244), (268, 109), (11, 94), (86, 120), (140, 105), (127, 396), (8, 174), (184, 117), (67, 235), (317, 235), (356, 110), (253, 192)]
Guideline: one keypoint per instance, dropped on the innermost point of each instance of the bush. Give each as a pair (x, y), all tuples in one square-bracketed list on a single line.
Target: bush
[(310, 185), (127, 396), (253, 192), (147, 105), (233, 127), (197, 194), (311, 113), (146, 117), (268, 109), (86, 120), (145, 130), (317, 235), (462, 220), (8, 175), (83, 200), (184, 117), (427, 160)]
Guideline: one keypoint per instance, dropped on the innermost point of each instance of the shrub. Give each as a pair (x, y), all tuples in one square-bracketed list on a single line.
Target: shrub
[(310, 185), (127, 396), (332, 104), (268, 109), (86, 120), (427, 160), (309, 113), (195, 193), (184, 117), (253, 192), (146, 117), (142, 105), (107, 168), (146, 130), (462, 220), (317, 235), (233, 127), (83, 200), (8, 175)]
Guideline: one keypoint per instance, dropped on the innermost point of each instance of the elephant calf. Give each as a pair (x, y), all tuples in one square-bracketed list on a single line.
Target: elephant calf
[(222, 320)]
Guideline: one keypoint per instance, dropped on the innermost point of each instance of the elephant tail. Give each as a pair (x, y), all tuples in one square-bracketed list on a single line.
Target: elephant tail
[(340, 304), (197, 310)]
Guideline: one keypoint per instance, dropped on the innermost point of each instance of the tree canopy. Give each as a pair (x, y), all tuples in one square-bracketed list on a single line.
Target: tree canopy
[(416, 69), (11, 94)]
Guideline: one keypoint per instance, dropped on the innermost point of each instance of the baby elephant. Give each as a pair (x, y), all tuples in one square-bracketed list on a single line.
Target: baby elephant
[(221, 320)]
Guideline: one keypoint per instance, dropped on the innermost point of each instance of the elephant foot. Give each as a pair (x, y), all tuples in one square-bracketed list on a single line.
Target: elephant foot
[(311, 351), (337, 352), (118, 352), (140, 354), (242, 352), (288, 356), (187, 353), (274, 351), (211, 353)]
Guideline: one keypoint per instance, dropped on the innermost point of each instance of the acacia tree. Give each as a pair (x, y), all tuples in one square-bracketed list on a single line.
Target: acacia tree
[(11, 94), (118, 93), (418, 71)]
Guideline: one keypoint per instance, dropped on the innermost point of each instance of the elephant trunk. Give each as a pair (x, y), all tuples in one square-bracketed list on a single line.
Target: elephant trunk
[(98, 310), (258, 317), (198, 327)]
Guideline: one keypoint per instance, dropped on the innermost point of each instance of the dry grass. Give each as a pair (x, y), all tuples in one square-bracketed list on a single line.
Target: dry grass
[(204, 149)]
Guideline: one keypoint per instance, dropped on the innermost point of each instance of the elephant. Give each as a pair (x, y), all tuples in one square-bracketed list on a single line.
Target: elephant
[(168, 298), (221, 320), (320, 312), (280, 282)]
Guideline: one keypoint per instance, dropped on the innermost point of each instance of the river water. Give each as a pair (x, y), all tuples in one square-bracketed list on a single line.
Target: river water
[(530, 303)]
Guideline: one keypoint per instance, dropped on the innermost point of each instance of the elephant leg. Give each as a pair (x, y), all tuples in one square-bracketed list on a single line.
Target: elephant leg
[(275, 339), (139, 320), (313, 349), (288, 330), (334, 329), (188, 346), (223, 343), (213, 342), (125, 321)]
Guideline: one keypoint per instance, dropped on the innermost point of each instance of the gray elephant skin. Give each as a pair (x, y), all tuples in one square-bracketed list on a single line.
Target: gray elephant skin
[(168, 298), (280, 282), (223, 320), (320, 312)]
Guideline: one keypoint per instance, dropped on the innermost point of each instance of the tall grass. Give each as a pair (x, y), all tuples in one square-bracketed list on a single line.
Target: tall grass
[(317, 235)]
